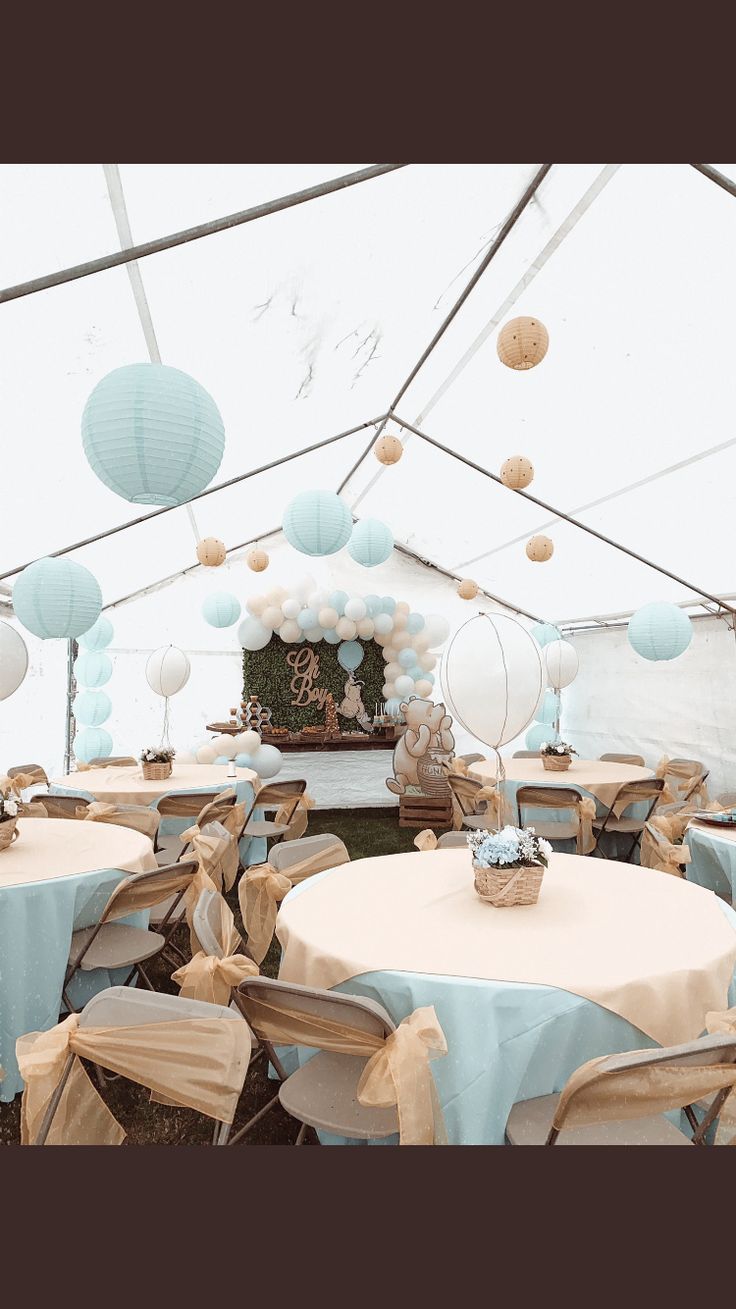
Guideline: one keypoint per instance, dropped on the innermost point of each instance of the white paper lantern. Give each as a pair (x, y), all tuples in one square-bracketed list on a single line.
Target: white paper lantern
[(492, 677), (365, 628), (346, 629), (355, 609), (252, 635), (436, 630), (206, 755), (266, 761), (328, 617), (13, 660), (247, 742), (291, 608), (561, 660), (167, 670), (225, 745)]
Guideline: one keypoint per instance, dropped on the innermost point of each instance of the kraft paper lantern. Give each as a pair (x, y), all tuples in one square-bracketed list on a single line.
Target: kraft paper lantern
[(167, 670), (317, 523), (57, 597), (371, 543), (13, 660), (350, 655), (467, 590), (221, 609), (388, 450), (92, 743), (252, 635), (522, 343), (211, 552), (257, 560), (91, 708), (152, 434), (492, 677), (539, 549), (99, 636), (660, 631), (93, 669), (543, 633), (517, 472), (561, 662), (266, 761)]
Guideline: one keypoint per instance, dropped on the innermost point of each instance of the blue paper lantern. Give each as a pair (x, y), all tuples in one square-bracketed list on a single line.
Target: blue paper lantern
[(56, 597), (317, 523), (548, 712), (91, 708), (543, 633), (660, 631), (539, 733), (407, 657), (331, 636), (99, 636), (350, 655), (306, 619), (414, 623), (152, 434), (221, 609), (371, 543), (92, 743), (93, 669)]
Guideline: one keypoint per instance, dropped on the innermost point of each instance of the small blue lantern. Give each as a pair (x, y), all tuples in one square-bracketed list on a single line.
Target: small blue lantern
[(660, 631), (539, 733), (221, 609), (99, 636), (371, 543), (91, 708), (93, 669), (543, 634), (92, 743), (317, 523), (549, 711), (57, 597)]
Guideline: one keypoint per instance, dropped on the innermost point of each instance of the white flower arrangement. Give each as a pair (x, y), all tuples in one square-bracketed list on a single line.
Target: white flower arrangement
[(157, 754), (556, 747), (512, 847), (10, 789)]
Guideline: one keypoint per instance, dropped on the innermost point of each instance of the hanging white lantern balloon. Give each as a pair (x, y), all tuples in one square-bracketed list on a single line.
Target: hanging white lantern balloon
[(492, 677), (561, 660), (167, 670), (13, 660), (266, 761)]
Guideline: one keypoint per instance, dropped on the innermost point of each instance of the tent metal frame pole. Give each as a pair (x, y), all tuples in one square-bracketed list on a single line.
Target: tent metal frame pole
[(492, 250), (713, 175), (162, 243), (211, 490), (559, 513), (72, 651), (429, 563)]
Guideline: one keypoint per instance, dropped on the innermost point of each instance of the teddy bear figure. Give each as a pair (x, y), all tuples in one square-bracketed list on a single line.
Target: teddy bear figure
[(427, 733)]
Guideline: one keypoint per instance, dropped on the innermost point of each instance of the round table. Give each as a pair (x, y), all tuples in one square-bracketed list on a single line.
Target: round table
[(713, 858), (613, 957), (55, 877), (127, 785), (599, 777)]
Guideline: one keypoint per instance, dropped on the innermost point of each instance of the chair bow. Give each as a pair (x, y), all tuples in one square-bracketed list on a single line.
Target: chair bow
[(659, 848), (426, 840), (208, 977), (259, 892), (585, 841), (98, 810), (217, 857), (399, 1074)]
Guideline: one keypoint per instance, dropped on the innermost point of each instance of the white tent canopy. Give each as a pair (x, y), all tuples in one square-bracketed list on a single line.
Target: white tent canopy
[(308, 322)]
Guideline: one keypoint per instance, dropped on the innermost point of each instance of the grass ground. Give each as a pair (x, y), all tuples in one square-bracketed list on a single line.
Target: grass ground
[(365, 832)]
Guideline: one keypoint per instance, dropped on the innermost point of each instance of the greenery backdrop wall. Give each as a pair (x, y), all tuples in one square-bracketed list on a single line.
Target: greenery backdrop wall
[(267, 674)]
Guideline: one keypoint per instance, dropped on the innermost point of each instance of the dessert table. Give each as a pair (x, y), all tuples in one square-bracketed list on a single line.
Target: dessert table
[(56, 877), (611, 958), (713, 858)]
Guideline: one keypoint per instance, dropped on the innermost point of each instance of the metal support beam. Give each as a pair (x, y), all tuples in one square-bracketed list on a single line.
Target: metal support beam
[(119, 257), (558, 513), (437, 568), (71, 687), (713, 175)]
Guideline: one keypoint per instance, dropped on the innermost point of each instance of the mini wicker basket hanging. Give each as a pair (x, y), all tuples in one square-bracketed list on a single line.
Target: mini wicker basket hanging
[(211, 552), (517, 472), (467, 590), (388, 450), (539, 549), (257, 560), (522, 343)]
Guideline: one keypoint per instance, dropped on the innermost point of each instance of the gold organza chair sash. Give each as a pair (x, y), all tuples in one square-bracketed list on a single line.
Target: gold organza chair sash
[(212, 977), (715, 1023), (217, 855), (199, 883), (196, 1062), (590, 1098), (138, 817), (397, 1071), (262, 888), (297, 826), (667, 768), (426, 840), (661, 843)]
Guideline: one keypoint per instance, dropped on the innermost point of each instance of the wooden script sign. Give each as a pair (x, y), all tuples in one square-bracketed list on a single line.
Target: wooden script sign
[(305, 664)]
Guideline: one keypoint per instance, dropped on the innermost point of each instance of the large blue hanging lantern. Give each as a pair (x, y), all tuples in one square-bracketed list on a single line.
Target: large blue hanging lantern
[(660, 631), (317, 523), (152, 434), (57, 597), (371, 543)]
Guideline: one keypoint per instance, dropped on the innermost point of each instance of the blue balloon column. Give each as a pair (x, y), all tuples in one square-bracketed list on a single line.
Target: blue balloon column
[(92, 707)]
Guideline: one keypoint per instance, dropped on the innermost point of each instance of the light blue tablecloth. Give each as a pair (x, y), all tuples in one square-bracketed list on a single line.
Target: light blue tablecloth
[(613, 845), (713, 862), (507, 1041)]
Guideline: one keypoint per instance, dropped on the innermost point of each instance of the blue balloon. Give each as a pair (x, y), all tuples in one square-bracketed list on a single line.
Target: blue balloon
[(388, 604), (307, 618), (338, 600), (428, 677), (407, 657), (414, 623), (415, 672), (539, 733), (243, 761), (350, 655), (372, 604), (331, 636), (222, 759)]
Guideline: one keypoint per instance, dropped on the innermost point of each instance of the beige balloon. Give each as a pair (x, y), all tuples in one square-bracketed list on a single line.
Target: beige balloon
[(539, 549), (522, 343), (517, 472), (211, 552)]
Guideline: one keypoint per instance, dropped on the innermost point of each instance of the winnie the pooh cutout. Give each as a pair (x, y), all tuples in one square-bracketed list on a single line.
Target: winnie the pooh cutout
[(426, 745), (352, 706)]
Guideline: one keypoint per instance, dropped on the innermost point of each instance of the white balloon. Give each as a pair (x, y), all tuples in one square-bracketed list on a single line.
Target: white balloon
[(267, 760), (356, 609), (225, 745), (424, 689), (346, 629), (427, 662), (290, 631), (405, 685), (317, 600), (392, 671), (400, 621), (561, 660), (252, 635), (314, 634), (383, 624), (13, 660), (247, 742), (492, 673), (365, 628), (436, 629), (290, 608), (272, 617), (206, 755), (167, 670), (256, 605), (327, 617)]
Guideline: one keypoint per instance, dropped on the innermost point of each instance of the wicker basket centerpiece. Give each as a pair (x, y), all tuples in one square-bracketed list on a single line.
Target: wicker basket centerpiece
[(11, 806), (157, 762), (557, 756), (8, 832), (508, 866)]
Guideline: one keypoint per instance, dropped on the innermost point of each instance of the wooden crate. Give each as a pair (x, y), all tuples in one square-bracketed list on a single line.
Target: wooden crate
[(425, 811)]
